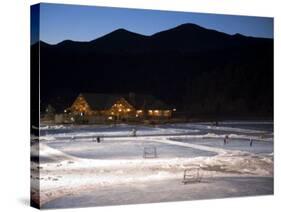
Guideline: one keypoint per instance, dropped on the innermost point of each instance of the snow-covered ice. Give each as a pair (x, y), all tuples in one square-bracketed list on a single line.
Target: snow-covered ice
[(74, 166), (86, 131)]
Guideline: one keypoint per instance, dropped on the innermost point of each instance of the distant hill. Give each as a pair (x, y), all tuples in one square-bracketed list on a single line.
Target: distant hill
[(198, 70)]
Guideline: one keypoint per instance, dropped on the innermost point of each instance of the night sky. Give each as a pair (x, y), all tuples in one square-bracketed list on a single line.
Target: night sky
[(84, 23)]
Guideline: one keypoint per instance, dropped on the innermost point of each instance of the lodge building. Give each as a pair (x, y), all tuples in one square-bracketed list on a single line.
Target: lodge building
[(118, 107)]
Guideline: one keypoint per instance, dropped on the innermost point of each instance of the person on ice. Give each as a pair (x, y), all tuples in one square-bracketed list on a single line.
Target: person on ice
[(134, 132), (251, 142), (98, 139), (225, 139), (216, 123)]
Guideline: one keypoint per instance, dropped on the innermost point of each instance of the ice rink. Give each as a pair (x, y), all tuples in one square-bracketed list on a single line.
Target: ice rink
[(149, 167)]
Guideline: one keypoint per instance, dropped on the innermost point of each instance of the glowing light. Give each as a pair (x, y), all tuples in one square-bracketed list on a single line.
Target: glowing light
[(120, 110), (112, 113), (128, 109), (174, 109), (110, 117), (156, 111), (65, 111), (137, 115), (150, 111), (139, 111)]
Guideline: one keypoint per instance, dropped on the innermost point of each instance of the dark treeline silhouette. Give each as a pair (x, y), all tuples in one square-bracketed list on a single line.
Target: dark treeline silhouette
[(196, 70)]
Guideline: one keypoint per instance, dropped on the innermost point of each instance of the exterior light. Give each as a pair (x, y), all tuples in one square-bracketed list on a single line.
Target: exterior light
[(120, 110), (112, 113), (174, 109), (156, 111), (139, 111), (110, 117), (150, 111), (128, 109), (137, 115), (81, 114), (65, 111)]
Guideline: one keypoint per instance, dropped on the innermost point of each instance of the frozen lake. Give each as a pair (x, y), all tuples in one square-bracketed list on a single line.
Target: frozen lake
[(56, 132), (167, 190), (75, 170), (121, 149), (258, 147)]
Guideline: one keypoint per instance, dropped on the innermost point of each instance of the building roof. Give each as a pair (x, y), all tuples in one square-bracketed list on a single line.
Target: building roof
[(138, 101), (143, 101), (59, 103), (100, 101)]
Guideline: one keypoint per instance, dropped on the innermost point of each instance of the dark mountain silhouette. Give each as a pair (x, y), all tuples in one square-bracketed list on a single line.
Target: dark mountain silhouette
[(120, 39), (191, 37), (197, 70)]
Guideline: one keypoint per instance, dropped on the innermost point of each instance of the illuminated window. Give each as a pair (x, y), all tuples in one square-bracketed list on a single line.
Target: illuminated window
[(167, 113)]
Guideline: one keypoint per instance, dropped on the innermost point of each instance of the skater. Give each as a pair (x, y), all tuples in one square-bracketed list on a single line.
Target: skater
[(98, 139), (225, 140), (134, 132), (251, 142)]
